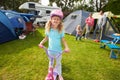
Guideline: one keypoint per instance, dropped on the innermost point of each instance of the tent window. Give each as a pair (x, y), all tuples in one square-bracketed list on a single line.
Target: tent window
[(73, 16)]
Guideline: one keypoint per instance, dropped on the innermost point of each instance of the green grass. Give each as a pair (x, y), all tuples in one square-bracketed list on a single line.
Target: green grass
[(24, 60)]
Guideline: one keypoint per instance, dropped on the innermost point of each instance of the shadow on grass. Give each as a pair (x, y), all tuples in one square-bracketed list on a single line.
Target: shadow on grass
[(18, 45), (67, 70)]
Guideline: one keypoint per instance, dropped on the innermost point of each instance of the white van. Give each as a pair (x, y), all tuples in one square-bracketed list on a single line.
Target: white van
[(42, 12)]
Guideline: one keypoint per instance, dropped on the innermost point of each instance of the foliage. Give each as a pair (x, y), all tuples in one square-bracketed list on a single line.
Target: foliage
[(113, 6), (69, 6), (24, 60), (72, 5), (101, 4), (66, 5)]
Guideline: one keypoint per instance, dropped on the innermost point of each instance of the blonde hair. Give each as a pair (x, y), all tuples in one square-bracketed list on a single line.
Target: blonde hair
[(48, 27)]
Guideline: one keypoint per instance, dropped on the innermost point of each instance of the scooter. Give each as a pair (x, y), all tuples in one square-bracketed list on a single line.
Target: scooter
[(51, 74)]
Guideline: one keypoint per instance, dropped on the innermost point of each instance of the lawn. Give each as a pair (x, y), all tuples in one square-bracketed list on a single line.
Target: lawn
[(24, 60)]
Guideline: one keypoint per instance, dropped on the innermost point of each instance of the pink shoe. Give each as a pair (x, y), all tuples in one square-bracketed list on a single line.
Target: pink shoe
[(50, 70), (49, 77), (50, 74)]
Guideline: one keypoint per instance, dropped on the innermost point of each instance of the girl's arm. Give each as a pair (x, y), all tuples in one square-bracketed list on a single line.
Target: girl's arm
[(43, 41), (65, 45)]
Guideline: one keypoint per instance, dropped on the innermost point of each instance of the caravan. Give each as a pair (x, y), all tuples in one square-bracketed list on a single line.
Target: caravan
[(42, 12)]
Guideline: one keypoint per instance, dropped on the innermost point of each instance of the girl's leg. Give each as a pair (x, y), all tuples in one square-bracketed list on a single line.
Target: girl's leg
[(76, 37), (51, 62), (79, 37), (58, 67), (51, 58)]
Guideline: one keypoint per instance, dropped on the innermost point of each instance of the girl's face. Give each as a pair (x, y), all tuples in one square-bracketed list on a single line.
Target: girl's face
[(55, 21)]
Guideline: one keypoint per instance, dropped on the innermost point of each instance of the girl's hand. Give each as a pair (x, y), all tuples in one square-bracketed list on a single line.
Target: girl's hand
[(40, 45), (67, 50)]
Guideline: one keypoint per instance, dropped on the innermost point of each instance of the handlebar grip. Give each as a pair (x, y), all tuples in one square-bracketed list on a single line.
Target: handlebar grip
[(41, 46), (66, 50)]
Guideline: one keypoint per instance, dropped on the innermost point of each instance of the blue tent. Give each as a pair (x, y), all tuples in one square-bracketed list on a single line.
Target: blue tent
[(7, 31), (27, 17), (15, 18), (11, 24)]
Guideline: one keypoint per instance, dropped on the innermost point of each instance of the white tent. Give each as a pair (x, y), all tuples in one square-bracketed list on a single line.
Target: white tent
[(109, 28), (96, 15)]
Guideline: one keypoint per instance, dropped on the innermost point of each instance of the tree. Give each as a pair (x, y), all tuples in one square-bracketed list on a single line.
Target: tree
[(113, 6), (100, 4), (91, 5), (66, 5), (83, 5)]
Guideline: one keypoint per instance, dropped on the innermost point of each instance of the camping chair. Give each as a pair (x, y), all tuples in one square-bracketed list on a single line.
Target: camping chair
[(30, 28)]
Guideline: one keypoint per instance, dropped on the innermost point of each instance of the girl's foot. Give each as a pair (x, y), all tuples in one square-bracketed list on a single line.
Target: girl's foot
[(60, 77)]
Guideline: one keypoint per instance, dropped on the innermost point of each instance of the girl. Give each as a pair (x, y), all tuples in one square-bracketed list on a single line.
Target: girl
[(78, 32), (55, 36)]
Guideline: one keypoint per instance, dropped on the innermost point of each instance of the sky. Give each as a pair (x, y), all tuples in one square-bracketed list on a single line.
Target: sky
[(45, 2)]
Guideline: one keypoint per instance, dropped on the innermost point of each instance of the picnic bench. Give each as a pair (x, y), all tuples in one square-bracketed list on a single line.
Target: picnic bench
[(112, 45), (113, 48)]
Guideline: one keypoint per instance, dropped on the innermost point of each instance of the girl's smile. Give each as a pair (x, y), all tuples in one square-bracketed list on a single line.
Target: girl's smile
[(55, 20)]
